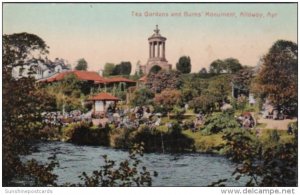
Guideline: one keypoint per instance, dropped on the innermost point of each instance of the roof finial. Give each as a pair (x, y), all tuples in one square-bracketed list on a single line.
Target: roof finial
[(156, 30)]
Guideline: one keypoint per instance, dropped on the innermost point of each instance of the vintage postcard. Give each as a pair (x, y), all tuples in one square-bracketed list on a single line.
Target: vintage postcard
[(150, 94)]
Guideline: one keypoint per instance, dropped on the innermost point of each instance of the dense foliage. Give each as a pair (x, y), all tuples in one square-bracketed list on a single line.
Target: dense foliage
[(22, 107), (219, 122), (108, 69), (141, 97), (168, 99), (229, 65), (206, 95), (274, 166), (163, 80), (278, 77), (81, 64), (69, 93), (84, 134), (155, 69), (124, 68), (184, 65)]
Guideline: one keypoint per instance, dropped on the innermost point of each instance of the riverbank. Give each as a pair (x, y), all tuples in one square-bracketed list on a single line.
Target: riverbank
[(160, 139)]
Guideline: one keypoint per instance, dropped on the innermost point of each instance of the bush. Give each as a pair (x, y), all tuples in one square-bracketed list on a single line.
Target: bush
[(265, 166), (219, 122), (83, 134), (142, 97)]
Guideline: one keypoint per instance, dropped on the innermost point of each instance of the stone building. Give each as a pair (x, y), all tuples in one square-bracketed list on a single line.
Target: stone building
[(157, 53)]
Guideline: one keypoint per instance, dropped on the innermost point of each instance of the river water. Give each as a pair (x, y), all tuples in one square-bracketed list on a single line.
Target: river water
[(173, 170)]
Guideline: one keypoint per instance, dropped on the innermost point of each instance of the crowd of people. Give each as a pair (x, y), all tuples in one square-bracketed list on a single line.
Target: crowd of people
[(64, 118), (133, 118)]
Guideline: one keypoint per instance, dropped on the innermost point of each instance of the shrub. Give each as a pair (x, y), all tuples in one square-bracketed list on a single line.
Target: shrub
[(219, 122), (83, 134)]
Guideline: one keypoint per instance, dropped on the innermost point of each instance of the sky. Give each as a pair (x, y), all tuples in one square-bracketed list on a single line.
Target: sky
[(102, 33)]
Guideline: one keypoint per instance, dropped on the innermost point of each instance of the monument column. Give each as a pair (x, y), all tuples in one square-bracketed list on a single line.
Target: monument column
[(153, 55), (164, 50), (158, 51), (149, 49)]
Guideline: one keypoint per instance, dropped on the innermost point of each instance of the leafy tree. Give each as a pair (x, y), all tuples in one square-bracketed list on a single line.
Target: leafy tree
[(184, 65), (217, 67), (155, 69), (22, 107), (203, 71), (204, 103), (142, 97), (163, 80), (232, 65), (242, 80), (193, 86), (229, 65), (168, 99), (108, 69), (219, 88), (124, 68), (81, 64), (278, 78), (20, 47)]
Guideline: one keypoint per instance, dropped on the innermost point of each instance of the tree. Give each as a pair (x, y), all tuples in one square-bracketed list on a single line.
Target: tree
[(203, 71), (124, 68), (81, 64), (219, 88), (242, 81), (155, 69), (22, 107), (163, 80), (168, 99), (108, 69), (278, 78), (217, 66), (204, 103), (232, 65), (142, 97), (184, 65)]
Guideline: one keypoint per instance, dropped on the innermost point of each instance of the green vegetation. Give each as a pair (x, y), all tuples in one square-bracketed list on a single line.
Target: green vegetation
[(155, 69), (184, 65), (124, 68), (81, 64), (163, 80), (69, 93), (142, 97), (272, 165), (108, 69), (85, 134), (229, 65), (278, 78), (22, 105)]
